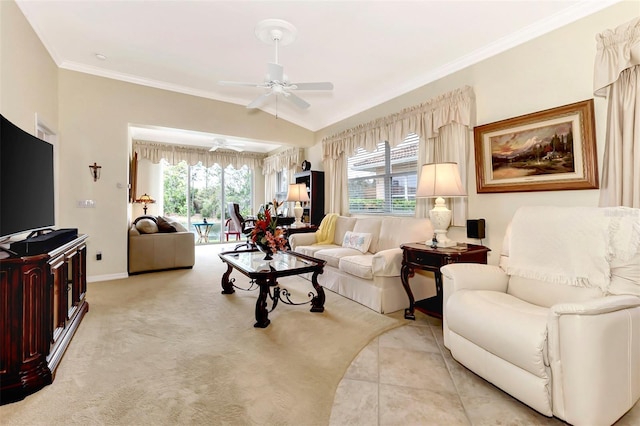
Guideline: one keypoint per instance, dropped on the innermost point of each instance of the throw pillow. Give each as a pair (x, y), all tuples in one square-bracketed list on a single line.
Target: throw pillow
[(146, 226), (179, 227), (153, 218), (357, 240), (164, 225)]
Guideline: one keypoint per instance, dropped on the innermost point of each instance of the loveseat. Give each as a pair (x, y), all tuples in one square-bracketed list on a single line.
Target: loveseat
[(557, 323), (157, 243), (364, 259)]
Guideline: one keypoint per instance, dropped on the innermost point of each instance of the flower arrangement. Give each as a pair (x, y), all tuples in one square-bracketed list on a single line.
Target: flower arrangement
[(266, 234)]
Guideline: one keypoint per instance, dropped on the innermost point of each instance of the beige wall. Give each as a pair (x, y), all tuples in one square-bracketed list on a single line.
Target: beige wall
[(100, 133), (28, 79), (91, 115), (28, 75), (552, 70)]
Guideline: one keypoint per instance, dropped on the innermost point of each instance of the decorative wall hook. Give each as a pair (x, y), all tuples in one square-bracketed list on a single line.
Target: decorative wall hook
[(95, 171)]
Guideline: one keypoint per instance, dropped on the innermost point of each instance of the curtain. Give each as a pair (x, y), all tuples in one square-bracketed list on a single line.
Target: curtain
[(450, 145), (617, 77), (174, 154), (443, 125), (288, 159)]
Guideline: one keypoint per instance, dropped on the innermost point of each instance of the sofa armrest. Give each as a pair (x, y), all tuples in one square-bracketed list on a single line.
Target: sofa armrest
[(474, 276), (387, 263), (302, 239), (599, 336)]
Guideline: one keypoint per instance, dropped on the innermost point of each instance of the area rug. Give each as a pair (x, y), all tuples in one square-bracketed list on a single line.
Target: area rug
[(167, 348)]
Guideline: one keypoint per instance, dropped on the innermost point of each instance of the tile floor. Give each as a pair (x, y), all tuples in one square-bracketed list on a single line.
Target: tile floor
[(407, 377)]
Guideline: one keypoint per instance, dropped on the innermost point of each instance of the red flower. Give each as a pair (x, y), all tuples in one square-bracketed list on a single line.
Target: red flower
[(266, 233)]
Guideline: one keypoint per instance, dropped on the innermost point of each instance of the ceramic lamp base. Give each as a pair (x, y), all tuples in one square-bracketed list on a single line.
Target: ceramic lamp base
[(297, 212)]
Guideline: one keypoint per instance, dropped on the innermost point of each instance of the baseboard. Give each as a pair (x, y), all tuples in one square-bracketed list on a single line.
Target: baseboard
[(109, 277)]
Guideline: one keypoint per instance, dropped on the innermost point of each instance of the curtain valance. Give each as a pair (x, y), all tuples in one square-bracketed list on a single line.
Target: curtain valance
[(174, 154), (424, 120), (287, 159), (617, 50)]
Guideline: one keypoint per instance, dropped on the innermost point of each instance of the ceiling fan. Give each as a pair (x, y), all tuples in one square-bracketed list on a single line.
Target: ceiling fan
[(220, 143), (278, 32)]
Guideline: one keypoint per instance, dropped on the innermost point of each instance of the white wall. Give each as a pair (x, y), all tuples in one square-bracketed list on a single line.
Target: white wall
[(553, 70)]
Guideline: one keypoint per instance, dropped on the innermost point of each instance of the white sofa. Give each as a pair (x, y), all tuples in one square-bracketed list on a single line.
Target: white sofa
[(371, 278), (557, 324)]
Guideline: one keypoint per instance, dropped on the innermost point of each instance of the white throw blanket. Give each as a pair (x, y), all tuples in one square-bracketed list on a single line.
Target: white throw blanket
[(572, 245)]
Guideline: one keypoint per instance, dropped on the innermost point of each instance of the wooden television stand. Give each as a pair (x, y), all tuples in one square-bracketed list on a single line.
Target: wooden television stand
[(42, 301)]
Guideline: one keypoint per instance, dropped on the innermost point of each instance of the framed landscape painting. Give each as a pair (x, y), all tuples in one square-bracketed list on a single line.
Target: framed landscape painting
[(549, 150)]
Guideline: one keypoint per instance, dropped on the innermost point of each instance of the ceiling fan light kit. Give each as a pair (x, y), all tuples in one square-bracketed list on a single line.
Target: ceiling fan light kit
[(224, 144), (278, 32)]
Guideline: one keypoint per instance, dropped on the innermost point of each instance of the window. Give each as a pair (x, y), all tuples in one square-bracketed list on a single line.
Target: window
[(384, 181), (282, 185), (195, 193)]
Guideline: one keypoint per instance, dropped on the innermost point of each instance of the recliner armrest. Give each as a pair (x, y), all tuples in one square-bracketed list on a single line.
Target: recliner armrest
[(601, 305), (594, 346), (474, 276)]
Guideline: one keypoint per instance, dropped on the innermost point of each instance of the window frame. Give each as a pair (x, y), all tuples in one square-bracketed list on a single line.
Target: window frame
[(387, 180)]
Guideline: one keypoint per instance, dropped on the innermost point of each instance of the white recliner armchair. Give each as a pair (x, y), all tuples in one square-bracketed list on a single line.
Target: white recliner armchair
[(557, 324)]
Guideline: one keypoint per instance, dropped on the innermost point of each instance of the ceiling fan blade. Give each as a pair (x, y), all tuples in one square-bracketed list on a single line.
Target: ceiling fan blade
[(298, 101), (324, 85), (239, 83), (257, 102), (236, 148), (276, 72), (214, 148)]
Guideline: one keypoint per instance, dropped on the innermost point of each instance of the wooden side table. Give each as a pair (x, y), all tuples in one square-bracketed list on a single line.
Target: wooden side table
[(289, 230), (421, 256)]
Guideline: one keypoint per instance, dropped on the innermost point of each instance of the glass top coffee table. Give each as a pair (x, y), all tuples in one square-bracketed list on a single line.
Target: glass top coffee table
[(265, 274)]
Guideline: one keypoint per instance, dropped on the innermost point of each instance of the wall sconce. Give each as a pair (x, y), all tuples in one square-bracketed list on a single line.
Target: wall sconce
[(95, 171), (145, 199)]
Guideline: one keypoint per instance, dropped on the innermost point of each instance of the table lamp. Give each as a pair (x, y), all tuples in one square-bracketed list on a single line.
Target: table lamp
[(297, 192), (439, 180), (145, 199)]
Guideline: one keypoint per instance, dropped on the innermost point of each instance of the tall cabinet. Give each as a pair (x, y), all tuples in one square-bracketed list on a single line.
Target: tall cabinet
[(42, 301), (313, 210)]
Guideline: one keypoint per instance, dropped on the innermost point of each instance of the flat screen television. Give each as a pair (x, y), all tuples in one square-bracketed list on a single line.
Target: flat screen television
[(26, 181)]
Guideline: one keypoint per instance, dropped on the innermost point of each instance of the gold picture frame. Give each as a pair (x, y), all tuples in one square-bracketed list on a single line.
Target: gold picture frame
[(548, 150)]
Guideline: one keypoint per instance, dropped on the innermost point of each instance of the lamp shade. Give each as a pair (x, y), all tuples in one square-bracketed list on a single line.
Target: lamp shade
[(297, 192), (146, 199), (440, 180)]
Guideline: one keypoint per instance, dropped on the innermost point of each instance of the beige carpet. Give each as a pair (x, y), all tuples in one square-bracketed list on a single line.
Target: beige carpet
[(169, 348)]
